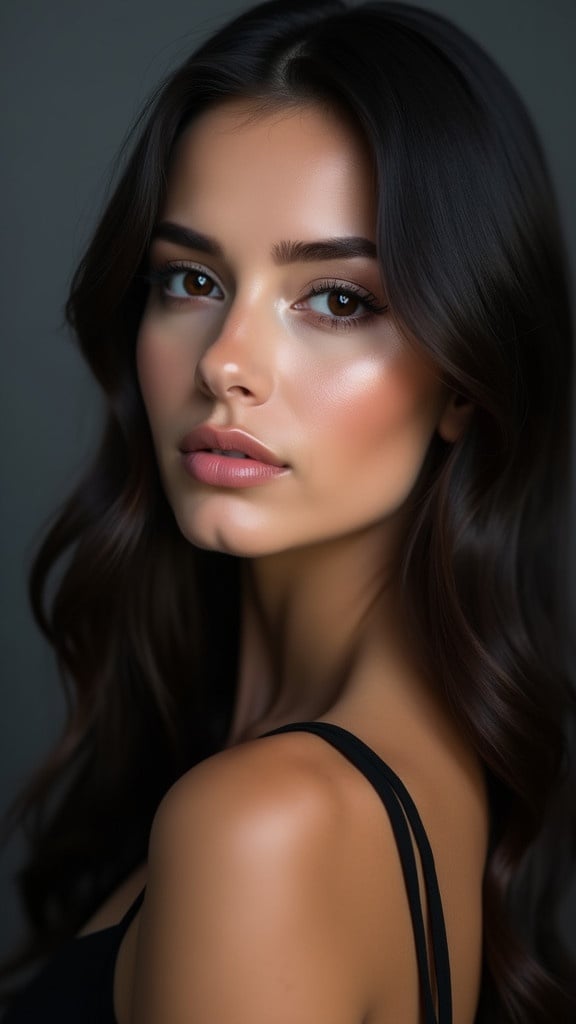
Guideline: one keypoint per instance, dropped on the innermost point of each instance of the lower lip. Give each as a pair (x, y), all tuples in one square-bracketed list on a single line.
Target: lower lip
[(226, 471)]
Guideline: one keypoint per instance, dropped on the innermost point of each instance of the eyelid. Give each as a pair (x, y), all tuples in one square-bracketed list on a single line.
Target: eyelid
[(158, 271), (335, 285)]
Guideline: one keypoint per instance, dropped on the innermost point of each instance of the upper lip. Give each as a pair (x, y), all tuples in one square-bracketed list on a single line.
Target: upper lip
[(204, 438)]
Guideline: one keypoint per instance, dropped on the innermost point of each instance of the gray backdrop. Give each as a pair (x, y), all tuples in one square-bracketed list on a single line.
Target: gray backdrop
[(74, 74)]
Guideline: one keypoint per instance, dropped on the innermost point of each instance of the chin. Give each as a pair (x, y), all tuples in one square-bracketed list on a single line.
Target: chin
[(227, 538)]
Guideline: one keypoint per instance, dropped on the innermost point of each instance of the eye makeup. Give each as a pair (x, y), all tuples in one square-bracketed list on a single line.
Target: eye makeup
[(335, 303)]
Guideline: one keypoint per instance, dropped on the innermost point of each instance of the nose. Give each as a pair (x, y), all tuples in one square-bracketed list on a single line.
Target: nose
[(238, 364)]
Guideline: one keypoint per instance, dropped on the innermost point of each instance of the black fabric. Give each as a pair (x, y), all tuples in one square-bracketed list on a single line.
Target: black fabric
[(76, 986)]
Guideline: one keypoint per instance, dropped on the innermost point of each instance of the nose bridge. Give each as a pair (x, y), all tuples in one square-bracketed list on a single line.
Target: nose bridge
[(240, 358)]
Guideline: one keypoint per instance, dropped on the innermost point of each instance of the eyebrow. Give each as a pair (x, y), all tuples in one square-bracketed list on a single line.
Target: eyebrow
[(187, 237), (349, 247), (329, 249)]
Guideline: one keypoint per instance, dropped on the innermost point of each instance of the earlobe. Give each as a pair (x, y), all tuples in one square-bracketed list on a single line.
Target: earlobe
[(455, 417)]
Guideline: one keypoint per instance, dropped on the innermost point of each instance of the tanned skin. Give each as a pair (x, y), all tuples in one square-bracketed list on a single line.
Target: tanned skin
[(274, 887)]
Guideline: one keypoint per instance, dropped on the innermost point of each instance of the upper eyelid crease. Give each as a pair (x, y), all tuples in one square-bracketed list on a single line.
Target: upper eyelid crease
[(342, 285), (158, 272), (162, 270)]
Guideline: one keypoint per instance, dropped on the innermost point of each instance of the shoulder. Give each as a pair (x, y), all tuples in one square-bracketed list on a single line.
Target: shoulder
[(287, 802), (249, 861), (274, 804), (253, 786)]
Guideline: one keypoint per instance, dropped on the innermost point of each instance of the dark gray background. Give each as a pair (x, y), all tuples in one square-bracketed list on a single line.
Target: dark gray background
[(74, 74)]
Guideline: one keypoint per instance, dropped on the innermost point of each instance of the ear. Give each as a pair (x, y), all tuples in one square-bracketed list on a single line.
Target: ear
[(455, 417)]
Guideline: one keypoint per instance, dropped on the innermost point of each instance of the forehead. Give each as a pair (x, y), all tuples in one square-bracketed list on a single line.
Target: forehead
[(293, 169)]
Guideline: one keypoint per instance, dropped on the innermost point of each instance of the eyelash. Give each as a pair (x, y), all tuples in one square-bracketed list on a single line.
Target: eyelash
[(159, 276), (368, 300)]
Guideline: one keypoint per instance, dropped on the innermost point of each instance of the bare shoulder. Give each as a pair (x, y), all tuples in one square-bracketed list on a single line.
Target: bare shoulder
[(273, 865), (281, 772), (290, 804), (248, 857), (273, 797)]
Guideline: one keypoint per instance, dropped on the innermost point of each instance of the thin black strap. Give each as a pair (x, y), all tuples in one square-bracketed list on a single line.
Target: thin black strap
[(130, 914), (401, 811)]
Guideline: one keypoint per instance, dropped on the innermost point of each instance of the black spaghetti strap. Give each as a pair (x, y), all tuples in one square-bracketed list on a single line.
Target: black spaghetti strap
[(402, 811), (439, 941), (130, 914)]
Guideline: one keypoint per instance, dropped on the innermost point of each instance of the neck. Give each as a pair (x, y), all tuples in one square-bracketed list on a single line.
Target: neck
[(309, 617)]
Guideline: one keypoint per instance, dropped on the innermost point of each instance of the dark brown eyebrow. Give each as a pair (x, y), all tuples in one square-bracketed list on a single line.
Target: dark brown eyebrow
[(349, 247), (187, 237), (331, 249)]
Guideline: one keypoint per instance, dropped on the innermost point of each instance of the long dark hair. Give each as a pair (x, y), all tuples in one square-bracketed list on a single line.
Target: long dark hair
[(474, 268)]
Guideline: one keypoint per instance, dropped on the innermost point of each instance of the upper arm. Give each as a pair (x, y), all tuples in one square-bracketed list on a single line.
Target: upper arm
[(241, 922)]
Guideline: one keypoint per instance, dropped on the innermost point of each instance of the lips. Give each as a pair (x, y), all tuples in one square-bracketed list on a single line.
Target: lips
[(210, 439)]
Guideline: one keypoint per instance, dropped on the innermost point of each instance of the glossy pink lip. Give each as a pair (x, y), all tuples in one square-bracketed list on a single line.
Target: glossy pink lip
[(204, 438), (212, 467)]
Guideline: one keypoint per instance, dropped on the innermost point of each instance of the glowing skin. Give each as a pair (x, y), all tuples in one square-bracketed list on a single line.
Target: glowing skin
[(344, 402), (234, 338)]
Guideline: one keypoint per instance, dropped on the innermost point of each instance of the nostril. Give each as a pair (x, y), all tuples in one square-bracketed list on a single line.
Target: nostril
[(238, 389)]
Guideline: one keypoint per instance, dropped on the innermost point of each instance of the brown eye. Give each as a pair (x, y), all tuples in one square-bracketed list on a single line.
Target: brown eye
[(196, 283), (339, 304), (186, 283), (342, 304)]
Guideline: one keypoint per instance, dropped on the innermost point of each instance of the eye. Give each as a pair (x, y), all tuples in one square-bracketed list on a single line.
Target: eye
[(339, 304), (182, 282)]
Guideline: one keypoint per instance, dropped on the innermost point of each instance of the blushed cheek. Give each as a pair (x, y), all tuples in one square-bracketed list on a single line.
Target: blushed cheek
[(377, 418), (162, 372), (370, 401)]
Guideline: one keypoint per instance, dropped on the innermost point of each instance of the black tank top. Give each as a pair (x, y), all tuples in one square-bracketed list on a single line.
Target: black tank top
[(76, 986)]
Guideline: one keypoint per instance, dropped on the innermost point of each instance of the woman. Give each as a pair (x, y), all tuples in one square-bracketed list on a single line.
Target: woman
[(328, 306)]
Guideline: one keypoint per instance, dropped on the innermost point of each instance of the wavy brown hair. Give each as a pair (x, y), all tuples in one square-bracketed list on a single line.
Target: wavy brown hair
[(474, 267)]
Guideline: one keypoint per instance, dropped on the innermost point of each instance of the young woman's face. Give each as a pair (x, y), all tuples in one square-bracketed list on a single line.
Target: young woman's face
[(267, 322)]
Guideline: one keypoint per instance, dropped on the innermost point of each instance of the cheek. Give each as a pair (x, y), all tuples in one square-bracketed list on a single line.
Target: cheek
[(375, 417), (164, 371), (372, 399)]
